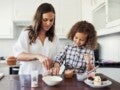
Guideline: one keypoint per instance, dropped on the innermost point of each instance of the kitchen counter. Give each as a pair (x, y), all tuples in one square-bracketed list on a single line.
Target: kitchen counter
[(23, 82), (113, 73), (6, 69)]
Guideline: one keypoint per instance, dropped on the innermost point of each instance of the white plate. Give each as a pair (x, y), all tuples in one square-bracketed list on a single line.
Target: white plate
[(104, 83)]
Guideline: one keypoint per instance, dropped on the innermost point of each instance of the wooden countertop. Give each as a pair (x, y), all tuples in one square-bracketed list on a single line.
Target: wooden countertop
[(22, 82)]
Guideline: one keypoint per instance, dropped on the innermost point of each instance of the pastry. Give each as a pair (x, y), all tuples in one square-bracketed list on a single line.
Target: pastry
[(97, 81)]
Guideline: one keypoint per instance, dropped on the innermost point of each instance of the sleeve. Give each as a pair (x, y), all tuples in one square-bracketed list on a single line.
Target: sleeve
[(60, 57), (22, 44)]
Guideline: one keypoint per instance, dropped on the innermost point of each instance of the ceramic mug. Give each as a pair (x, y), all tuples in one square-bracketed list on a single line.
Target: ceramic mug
[(81, 76)]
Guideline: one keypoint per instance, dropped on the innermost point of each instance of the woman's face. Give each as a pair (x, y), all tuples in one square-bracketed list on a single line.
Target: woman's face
[(47, 20), (80, 38)]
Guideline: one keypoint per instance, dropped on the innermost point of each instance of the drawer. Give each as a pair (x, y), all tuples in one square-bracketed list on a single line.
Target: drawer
[(14, 70)]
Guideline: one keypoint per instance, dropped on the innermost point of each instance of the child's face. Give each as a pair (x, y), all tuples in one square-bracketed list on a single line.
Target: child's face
[(80, 38)]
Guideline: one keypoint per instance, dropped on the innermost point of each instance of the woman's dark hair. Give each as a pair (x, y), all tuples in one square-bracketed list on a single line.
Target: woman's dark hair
[(87, 28), (34, 29)]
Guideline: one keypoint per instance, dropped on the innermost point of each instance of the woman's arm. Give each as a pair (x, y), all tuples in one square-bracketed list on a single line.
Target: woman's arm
[(47, 62), (27, 56)]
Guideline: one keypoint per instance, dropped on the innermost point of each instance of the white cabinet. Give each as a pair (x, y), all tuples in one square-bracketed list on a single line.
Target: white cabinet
[(113, 10), (99, 15), (6, 25), (25, 9), (106, 16), (70, 13)]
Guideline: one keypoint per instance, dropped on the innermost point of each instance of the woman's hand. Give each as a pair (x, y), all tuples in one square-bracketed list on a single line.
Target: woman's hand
[(47, 62)]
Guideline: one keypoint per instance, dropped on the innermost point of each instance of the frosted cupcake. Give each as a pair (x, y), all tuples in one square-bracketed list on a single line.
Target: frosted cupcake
[(97, 81)]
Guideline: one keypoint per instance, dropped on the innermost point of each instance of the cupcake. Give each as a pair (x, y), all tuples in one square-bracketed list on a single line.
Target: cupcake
[(97, 81)]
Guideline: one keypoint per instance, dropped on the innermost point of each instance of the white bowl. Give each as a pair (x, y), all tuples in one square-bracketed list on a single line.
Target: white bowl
[(81, 76), (52, 80)]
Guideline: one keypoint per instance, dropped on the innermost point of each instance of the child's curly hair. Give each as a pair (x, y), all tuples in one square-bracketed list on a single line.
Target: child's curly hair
[(87, 28)]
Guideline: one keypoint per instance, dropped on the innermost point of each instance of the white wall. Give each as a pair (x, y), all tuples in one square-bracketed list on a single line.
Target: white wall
[(7, 45), (110, 47)]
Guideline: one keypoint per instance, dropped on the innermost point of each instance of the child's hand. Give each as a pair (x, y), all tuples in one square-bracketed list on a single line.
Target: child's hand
[(92, 74), (55, 70)]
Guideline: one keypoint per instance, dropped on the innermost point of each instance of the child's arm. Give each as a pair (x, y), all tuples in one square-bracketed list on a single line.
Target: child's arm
[(88, 59), (60, 57)]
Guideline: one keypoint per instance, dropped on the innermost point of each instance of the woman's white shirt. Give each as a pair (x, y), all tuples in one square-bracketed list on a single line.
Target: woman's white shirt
[(49, 49)]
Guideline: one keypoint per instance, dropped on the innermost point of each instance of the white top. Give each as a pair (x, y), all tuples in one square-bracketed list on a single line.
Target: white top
[(49, 49)]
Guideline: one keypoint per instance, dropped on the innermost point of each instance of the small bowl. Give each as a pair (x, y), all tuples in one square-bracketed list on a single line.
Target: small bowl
[(52, 80), (68, 73), (81, 76), (11, 60)]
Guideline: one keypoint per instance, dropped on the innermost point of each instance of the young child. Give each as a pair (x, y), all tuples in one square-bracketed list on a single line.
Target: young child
[(79, 55)]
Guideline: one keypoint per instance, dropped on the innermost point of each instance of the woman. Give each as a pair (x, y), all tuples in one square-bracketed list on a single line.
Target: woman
[(37, 44)]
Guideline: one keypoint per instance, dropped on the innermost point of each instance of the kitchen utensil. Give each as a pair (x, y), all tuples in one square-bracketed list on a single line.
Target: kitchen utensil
[(1, 75), (83, 76)]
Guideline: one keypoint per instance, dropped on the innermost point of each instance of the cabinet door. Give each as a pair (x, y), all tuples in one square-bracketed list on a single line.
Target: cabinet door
[(6, 30), (24, 10), (70, 11)]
